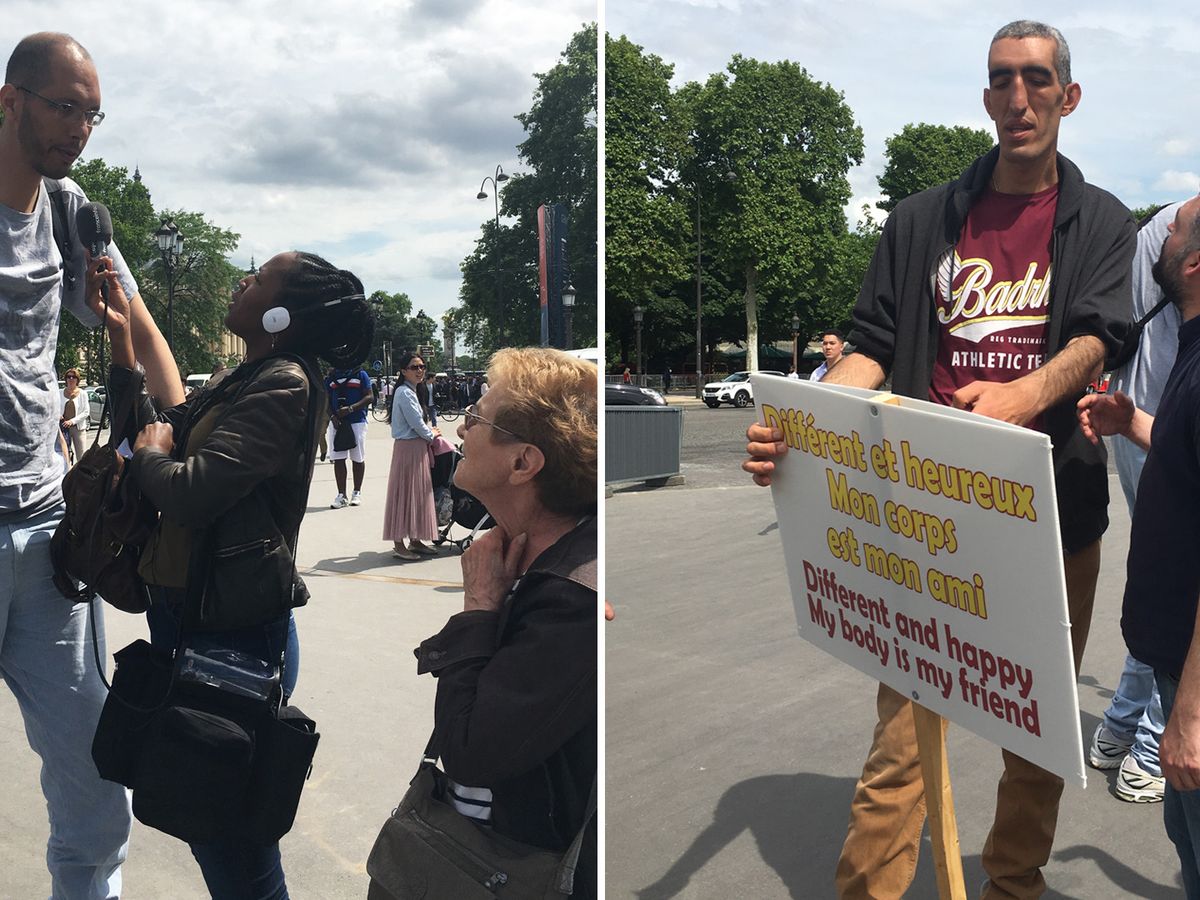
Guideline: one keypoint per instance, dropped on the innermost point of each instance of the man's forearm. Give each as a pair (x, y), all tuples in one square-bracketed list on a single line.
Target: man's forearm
[(151, 350), (1068, 372), (856, 370)]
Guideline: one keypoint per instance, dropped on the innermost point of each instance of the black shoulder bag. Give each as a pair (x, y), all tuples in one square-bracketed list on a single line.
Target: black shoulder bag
[(428, 850)]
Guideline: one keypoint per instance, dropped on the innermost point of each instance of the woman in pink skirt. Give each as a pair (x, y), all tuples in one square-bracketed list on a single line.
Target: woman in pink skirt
[(409, 512)]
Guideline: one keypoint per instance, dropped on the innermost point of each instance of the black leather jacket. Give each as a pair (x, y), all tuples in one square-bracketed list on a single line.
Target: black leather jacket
[(247, 480), (516, 700)]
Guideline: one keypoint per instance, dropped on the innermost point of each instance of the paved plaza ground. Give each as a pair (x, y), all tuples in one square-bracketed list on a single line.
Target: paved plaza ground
[(357, 680)]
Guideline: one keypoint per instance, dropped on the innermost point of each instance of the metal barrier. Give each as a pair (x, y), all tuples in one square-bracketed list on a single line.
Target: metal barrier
[(642, 443)]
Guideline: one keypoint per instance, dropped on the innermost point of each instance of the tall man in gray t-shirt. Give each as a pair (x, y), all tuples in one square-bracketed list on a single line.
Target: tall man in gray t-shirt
[(50, 103)]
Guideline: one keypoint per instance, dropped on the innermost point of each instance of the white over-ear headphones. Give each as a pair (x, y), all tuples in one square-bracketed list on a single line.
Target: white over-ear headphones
[(278, 318)]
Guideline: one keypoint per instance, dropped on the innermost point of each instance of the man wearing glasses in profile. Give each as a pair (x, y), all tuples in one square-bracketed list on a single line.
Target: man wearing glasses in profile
[(50, 103)]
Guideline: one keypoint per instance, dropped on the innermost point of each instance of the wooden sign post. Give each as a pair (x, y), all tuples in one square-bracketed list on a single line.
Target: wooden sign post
[(939, 803)]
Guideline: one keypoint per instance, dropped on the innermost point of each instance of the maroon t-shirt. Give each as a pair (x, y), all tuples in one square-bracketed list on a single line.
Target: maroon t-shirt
[(993, 327)]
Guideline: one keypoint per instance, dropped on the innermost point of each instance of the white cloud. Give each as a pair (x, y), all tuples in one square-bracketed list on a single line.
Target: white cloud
[(361, 128), (1182, 184)]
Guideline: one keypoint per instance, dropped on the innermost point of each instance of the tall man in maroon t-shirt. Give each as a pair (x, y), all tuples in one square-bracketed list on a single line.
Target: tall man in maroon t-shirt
[(1001, 293)]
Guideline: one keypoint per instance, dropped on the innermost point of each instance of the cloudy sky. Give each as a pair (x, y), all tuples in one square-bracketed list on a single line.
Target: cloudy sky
[(1136, 132), (359, 130)]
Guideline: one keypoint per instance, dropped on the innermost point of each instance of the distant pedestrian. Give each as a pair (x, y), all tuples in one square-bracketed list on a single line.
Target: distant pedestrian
[(625, 377), (75, 417), (832, 345), (793, 374), (349, 396), (667, 381), (430, 397), (409, 513)]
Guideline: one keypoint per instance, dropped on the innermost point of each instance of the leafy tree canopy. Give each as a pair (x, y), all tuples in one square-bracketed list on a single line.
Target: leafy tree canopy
[(203, 276), (924, 155), (560, 149), (773, 148)]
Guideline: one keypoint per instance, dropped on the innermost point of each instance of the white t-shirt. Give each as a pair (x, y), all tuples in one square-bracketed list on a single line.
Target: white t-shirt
[(32, 296)]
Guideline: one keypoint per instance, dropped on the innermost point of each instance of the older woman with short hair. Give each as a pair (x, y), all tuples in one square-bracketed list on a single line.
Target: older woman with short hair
[(515, 714)]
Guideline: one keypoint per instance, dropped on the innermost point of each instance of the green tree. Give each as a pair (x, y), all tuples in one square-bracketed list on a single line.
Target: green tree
[(850, 265), (560, 150), (203, 278), (788, 142), (396, 326), (1140, 212), (647, 213), (924, 155), (203, 274)]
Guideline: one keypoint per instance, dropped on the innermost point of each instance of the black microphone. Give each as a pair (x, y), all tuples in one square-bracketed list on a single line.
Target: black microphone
[(94, 225)]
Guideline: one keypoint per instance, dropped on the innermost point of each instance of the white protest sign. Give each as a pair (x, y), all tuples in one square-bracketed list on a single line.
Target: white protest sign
[(922, 548)]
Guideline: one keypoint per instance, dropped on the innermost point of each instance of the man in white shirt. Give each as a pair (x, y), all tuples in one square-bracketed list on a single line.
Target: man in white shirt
[(832, 344)]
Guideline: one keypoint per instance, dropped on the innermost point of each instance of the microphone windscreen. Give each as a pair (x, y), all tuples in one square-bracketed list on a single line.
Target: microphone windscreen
[(94, 224)]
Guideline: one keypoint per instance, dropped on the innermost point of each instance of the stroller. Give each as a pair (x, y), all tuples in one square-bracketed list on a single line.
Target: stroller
[(454, 505)]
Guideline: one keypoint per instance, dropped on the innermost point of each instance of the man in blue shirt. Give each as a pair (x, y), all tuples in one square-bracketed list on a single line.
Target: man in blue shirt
[(350, 394)]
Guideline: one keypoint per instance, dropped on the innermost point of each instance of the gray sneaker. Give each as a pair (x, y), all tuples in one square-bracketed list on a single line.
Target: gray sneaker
[(339, 502), (1136, 785), (1107, 749), (356, 498)]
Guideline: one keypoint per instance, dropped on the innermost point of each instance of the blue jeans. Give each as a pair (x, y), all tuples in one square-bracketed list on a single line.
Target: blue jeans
[(1135, 713), (46, 658), (234, 870), (1181, 809)]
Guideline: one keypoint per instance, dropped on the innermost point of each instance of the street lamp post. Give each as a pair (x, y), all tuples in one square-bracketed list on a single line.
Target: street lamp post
[(498, 179), (638, 312), (729, 177), (796, 344), (170, 245), (568, 302)]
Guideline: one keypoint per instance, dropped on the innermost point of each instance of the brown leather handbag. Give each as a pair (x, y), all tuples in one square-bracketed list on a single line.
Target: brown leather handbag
[(97, 545)]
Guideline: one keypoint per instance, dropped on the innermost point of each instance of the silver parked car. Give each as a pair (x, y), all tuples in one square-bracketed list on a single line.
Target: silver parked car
[(96, 406)]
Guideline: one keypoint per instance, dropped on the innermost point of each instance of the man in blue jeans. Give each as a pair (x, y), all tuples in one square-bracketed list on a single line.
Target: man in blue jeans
[(1133, 723), (1162, 587), (50, 103)]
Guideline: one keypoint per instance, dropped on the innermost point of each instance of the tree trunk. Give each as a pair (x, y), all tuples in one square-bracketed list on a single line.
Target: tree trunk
[(751, 300)]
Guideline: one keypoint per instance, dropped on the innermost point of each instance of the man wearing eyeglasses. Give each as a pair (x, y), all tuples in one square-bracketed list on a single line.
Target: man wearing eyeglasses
[(50, 103)]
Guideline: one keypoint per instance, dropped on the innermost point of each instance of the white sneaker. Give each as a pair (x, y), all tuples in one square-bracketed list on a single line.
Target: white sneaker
[(339, 502), (1136, 785), (1107, 749), (356, 498)]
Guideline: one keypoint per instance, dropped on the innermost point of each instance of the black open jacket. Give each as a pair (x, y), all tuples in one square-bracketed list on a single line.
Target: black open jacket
[(1090, 293), (516, 700)]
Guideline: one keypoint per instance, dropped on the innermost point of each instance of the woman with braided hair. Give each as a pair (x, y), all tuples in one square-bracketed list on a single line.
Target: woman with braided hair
[(235, 460)]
